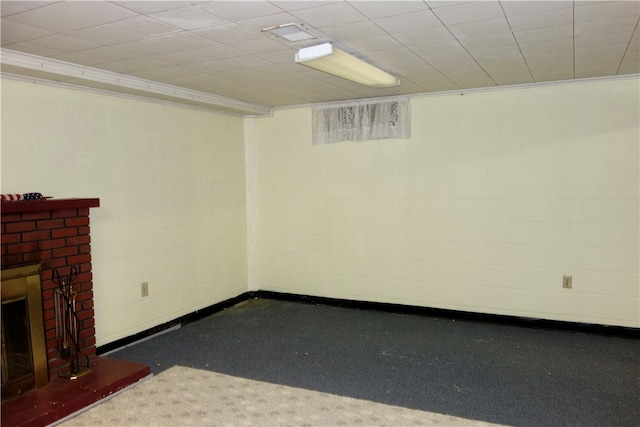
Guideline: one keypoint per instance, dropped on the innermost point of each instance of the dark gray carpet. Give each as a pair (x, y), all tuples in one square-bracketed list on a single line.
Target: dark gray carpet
[(488, 372)]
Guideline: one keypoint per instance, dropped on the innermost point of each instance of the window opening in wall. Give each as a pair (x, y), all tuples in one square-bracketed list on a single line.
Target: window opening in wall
[(364, 120)]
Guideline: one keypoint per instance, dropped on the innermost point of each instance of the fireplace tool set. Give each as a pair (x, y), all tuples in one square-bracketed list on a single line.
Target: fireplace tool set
[(67, 322)]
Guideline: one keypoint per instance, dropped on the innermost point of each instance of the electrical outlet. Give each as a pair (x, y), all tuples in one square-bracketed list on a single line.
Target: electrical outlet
[(144, 289), (567, 282)]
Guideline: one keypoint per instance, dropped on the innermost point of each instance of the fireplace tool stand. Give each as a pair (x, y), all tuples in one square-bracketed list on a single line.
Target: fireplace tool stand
[(67, 324)]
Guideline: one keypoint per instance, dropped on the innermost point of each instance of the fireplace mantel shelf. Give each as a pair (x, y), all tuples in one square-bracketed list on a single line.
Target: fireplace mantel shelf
[(48, 205)]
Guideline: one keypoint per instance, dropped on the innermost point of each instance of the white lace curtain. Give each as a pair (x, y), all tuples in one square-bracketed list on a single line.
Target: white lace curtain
[(362, 120)]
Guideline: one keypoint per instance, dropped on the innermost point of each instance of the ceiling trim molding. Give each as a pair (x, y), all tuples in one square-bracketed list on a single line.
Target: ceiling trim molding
[(109, 81), (476, 90), (123, 95)]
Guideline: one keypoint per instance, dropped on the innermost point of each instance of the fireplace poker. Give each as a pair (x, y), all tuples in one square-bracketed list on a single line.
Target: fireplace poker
[(66, 311), (68, 325)]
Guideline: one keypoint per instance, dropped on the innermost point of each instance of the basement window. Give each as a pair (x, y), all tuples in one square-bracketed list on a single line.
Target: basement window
[(362, 120)]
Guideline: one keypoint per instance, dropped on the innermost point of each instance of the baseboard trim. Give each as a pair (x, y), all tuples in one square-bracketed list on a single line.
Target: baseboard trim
[(180, 321), (560, 325), (591, 328)]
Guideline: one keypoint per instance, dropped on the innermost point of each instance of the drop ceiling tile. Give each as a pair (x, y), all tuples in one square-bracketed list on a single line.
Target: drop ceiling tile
[(227, 33), (470, 79), (469, 12), (409, 22), (559, 45), (297, 4), (545, 34), (606, 9), (331, 14), (600, 40), (562, 59), (246, 61), (439, 4), (15, 32), (102, 35), (547, 19), (504, 66), (94, 57), (426, 36), (96, 12), (434, 83), (373, 44), (414, 67), (631, 61), (189, 18), (145, 6), (183, 40), (210, 67), (273, 76), (381, 9), (596, 70), (259, 45), (282, 57), (146, 47), (31, 49), (505, 52), (267, 21), (143, 26), (606, 26), (450, 49), (494, 41), (216, 52), (235, 11), (600, 53), (552, 71), (50, 20), (178, 57), (455, 65), (516, 8), (553, 76), (481, 28), (353, 31), (512, 78), (58, 44), (234, 75), (393, 56), (8, 8)]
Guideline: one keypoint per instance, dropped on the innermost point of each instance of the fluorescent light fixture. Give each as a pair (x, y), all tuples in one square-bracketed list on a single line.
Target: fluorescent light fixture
[(291, 32), (329, 59)]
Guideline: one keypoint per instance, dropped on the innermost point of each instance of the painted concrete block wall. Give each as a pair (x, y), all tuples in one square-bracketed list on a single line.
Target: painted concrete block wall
[(497, 195), (171, 187)]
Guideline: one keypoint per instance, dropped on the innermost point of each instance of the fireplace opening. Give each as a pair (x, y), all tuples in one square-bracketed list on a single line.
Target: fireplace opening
[(16, 343), (24, 361)]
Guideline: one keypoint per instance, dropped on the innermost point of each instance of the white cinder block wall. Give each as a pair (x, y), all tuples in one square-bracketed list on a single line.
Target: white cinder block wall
[(497, 195), (171, 188)]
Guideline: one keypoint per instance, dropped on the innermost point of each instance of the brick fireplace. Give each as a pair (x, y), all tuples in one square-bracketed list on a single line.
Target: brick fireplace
[(55, 235)]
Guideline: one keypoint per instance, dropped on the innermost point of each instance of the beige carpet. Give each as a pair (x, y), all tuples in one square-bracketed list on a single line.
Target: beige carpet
[(189, 397)]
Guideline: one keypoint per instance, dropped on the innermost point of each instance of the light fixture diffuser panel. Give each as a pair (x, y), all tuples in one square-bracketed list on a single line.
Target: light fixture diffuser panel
[(325, 57), (291, 32)]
